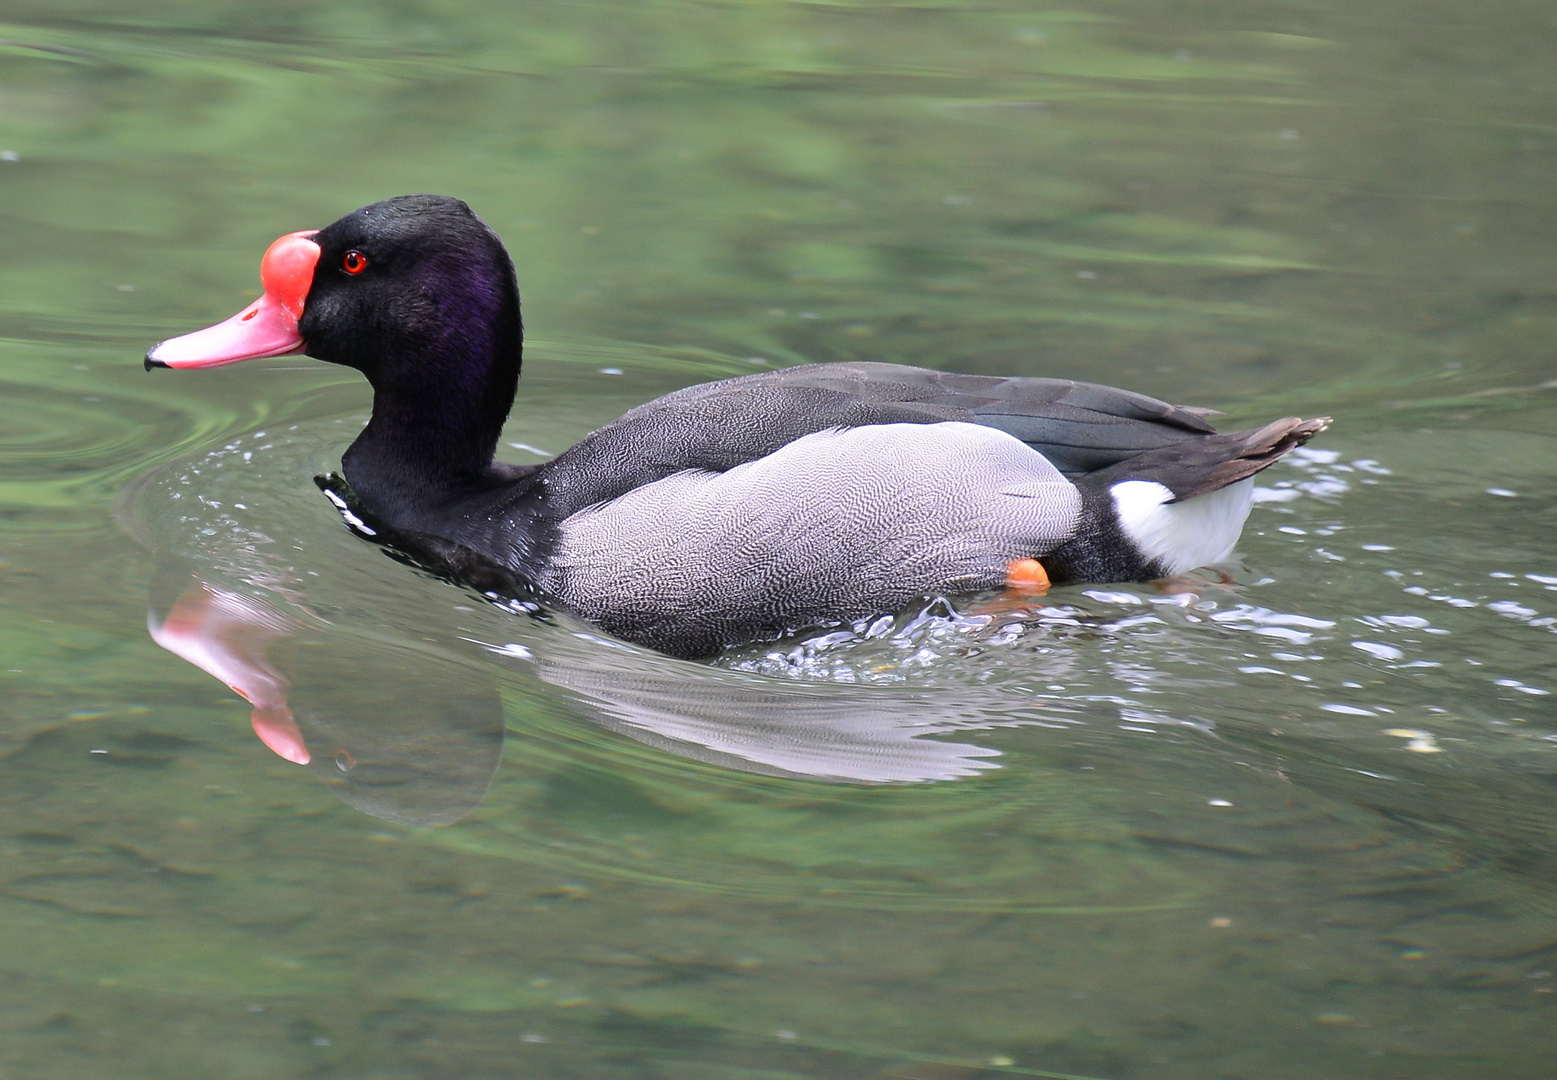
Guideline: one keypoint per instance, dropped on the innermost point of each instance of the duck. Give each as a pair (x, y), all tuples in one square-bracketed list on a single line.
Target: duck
[(733, 511)]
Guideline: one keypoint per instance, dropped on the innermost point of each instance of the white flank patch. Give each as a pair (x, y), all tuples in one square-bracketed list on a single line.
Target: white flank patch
[(1183, 535)]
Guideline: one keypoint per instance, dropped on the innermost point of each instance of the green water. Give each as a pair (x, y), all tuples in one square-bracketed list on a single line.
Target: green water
[(1298, 823)]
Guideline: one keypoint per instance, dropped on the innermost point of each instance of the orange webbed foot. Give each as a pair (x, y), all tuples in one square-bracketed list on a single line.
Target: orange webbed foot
[(1026, 580), (1028, 576)]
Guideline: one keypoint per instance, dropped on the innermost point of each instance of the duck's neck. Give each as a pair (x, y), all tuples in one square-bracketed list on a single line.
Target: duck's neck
[(434, 428)]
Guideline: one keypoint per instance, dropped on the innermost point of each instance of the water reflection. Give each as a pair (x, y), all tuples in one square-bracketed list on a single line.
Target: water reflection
[(412, 732), (399, 730), (757, 724)]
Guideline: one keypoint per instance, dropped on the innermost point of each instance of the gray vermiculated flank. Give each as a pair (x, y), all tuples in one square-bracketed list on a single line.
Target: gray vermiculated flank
[(835, 525)]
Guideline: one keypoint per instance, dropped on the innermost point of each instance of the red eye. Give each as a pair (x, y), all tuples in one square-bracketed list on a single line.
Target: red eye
[(355, 262)]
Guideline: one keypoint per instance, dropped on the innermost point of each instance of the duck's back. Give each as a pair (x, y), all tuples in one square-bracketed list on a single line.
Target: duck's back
[(1078, 427)]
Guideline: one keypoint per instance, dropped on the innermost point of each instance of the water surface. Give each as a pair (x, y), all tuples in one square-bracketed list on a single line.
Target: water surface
[(1291, 819)]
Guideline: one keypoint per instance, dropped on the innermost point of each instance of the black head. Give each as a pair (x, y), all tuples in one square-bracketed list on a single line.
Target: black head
[(413, 291), (417, 294), (420, 296)]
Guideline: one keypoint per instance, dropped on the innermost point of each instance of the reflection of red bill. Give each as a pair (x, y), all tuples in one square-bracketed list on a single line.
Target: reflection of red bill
[(227, 635), (267, 327), (279, 731)]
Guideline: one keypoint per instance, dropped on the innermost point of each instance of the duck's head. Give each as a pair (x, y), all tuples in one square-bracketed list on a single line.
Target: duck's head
[(417, 294)]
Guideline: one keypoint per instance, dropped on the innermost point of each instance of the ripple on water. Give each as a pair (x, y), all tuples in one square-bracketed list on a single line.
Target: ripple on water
[(66, 451)]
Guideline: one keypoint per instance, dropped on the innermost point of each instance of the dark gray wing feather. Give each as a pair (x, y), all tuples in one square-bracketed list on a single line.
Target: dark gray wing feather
[(1080, 427)]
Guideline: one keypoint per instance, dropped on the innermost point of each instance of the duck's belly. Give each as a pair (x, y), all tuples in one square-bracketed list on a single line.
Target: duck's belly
[(836, 525)]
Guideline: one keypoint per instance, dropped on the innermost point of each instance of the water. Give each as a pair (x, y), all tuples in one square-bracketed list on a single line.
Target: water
[(1291, 819)]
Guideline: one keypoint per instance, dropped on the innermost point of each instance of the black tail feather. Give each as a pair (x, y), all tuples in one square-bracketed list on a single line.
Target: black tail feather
[(1198, 466)]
